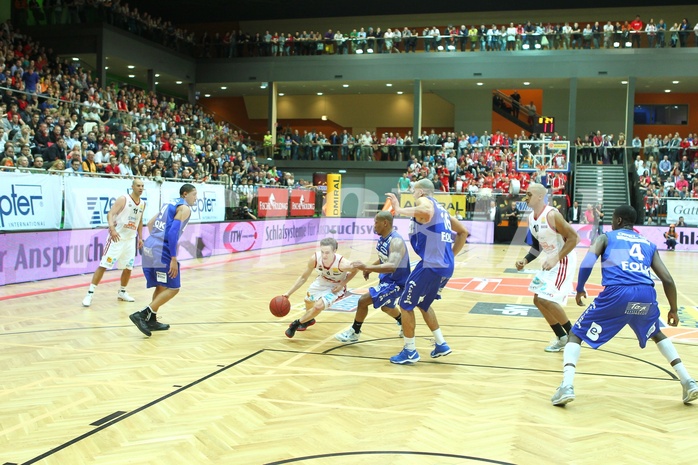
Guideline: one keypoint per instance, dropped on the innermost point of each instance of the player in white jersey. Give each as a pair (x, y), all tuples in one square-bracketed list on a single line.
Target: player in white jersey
[(554, 242), (125, 220), (333, 274)]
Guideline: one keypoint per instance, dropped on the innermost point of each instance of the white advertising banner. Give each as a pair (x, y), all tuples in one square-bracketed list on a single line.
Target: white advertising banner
[(686, 208), (210, 201), (88, 200), (30, 201)]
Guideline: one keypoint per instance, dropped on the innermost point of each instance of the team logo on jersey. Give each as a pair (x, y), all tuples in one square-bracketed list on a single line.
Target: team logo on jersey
[(594, 332)]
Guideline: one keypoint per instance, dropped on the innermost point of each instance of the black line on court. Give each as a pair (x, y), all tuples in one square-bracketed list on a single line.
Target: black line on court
[(110, 417), (389, 452), (138, 410), (472, 365)]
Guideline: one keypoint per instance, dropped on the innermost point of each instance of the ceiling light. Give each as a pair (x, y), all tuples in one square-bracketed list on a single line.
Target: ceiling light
[(667, 90), (399, 92), (674, 82), (76, 59), (178, 82), (281, 94), (526, 83), (480, 83), (106, 67), (223, 87), (319, 93), (156, 83), (130, 66), (345, 85), (157, 75), (132, 75), (389, 85), (207, 95), (623, 82), (323, 117)]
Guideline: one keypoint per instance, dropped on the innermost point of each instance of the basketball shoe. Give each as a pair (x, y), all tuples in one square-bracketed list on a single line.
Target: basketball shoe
[(557, 345), (306, 325), (563, 395), (690, 391), (440, 350), (123, 295), (348, 335), (405, 357)]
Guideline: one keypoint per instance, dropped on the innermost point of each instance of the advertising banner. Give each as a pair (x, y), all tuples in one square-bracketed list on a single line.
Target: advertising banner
[(453, 203), (686, 208), (30, 201), (88, 200), (302, 202), (210, 201), (333, 206), (272, 202)]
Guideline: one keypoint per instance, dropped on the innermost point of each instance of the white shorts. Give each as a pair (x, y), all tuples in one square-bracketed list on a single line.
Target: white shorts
[(122, 253), (322, 290), (555, 284)]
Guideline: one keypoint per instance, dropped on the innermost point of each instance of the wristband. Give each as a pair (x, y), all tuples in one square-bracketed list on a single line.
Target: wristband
[(529, 257)]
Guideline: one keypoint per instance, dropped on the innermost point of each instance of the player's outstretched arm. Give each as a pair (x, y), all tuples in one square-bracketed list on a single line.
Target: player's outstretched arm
[(422, 211), (310, 266), (669, 288), (596, 249), (461, 234)]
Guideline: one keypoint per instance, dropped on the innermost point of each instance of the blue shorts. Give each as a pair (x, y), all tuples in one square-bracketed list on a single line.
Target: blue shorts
[(158, 277), (387, 294), (615, 307), (423, 287)]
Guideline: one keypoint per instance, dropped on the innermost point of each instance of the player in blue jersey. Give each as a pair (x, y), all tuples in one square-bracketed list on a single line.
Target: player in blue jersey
[(629, 298), (393, 264), (160, 265), (431, 237)]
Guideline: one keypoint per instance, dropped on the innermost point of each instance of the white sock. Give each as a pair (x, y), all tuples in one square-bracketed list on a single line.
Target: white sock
[(569, 362), (93, 287), (123, 289), (409, 343), (666, 347), (439, 337)]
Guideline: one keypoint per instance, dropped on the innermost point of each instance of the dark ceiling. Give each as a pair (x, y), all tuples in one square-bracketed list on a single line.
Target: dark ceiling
[(205, 11)]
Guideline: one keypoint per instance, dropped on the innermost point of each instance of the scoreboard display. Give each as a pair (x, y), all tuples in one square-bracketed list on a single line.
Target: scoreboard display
[(544, 125)]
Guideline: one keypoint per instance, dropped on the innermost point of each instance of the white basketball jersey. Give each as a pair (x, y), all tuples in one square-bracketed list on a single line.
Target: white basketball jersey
[(551, 242), (332, 272), (129, 218)]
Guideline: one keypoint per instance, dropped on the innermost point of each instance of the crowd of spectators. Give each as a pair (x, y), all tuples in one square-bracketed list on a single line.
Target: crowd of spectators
[(56, 117), (501, 36), (495, 37), (666, 168)]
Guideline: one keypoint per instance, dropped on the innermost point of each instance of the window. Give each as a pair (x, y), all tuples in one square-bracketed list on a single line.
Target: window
[(661, 114)]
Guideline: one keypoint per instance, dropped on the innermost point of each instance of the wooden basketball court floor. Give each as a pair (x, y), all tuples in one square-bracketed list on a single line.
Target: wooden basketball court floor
[(225, 386)]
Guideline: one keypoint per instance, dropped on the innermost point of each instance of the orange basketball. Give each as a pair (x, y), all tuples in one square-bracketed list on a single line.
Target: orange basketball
[(279, 306)]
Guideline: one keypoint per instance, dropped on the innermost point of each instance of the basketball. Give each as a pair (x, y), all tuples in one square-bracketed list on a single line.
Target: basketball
[(279, 306)]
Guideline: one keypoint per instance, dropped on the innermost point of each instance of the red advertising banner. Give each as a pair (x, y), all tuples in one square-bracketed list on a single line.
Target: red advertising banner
[(272, 202), (302, 202)]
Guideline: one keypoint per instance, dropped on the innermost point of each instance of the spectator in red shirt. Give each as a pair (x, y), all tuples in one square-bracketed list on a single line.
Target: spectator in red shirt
[(113, 167), (636, 27)]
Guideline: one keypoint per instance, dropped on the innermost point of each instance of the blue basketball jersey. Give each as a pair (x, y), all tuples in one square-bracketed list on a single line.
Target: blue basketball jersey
[(399, 276), (433, 241), (156, 247), (627, 260)]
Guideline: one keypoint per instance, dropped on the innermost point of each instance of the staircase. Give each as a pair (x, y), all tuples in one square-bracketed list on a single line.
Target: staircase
[(606, 184), (502, 105)]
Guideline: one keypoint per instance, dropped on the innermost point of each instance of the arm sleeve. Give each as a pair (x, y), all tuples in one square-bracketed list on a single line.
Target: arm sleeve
[(585, 270), (534, 251), (173, 237)]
